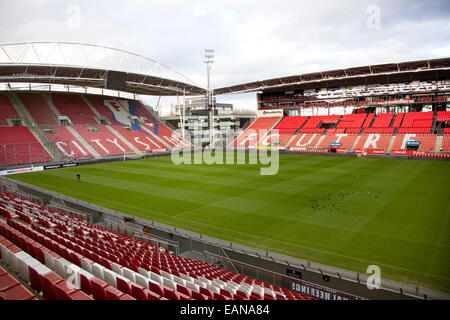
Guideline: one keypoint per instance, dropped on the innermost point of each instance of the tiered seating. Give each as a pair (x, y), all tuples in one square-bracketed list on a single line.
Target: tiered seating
[(427, 141), (417, 122), (153, 124), (255, 132), (398, 120), (98, 103), (19, 146), (108, 267), (7, 110), (38, 108), (374, 141), (74, 107), (443, 116), (381, 124), (68, 143), (446, 142), (104, 141), (304, 140), (368, 121), (312, 126), (352, 122), (142, 140), (10, 288), (346, 140), (285, 130), (291, 124)]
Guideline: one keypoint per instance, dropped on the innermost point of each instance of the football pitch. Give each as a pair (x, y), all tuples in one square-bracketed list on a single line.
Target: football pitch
[(340, 211)]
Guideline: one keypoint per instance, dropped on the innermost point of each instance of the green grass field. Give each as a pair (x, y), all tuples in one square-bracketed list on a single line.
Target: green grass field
[(340, 211)]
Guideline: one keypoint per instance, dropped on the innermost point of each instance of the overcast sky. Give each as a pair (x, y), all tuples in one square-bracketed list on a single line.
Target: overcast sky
[(253, 40)]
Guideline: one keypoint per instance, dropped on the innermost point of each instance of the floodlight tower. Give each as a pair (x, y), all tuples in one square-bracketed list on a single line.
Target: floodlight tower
[(209, 60)]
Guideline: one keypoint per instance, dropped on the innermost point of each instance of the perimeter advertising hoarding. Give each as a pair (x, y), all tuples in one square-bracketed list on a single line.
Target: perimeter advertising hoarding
[(21, 170), (373, 151), (317, 291), (59, 166)]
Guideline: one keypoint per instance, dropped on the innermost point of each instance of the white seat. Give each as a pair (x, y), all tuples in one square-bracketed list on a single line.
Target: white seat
[(116, 268), (212, 288), (166, 275), (141, 280), (23, 267), (86, 265), (14, 259), (156, 277), (268, 291), (187, 278), (179, 281), (129, 274), (216, 284), (230, 289), (42, 269), (200, 283), (60, 268), (193, 286), (97, 270), (5, 254), (109, 277), (144, 272), (169, 283), (205, 280)]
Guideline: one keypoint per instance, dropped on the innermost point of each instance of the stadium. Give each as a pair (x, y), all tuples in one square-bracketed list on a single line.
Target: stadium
[(95, 206)]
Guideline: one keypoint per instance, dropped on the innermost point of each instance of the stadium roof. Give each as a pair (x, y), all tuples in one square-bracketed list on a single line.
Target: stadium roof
[(87, 65), (433, 69)]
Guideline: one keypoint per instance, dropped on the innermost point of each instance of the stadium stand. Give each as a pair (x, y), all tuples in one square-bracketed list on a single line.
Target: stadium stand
[(417, 122), (313, 124), (374, 141), (142, 140), (352, 122), (291, 124), (7, 110), (19, 146), (443, 116), (255, 131), (427, 141), (38, 108), (381, 124), (54, 248), (446, 142), (346, 140), (103, 140), (68, 143), (398, 120), (74, 107), (304, 140)]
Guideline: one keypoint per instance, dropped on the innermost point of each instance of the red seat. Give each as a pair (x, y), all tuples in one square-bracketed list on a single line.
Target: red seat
[(123, 286), (18, 292), (152, 295), (198, 296), (171, 294), (113, 293), (137, 292), (98, 289), (49, 281), (156, 288), (7, 282), (63, 292)]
